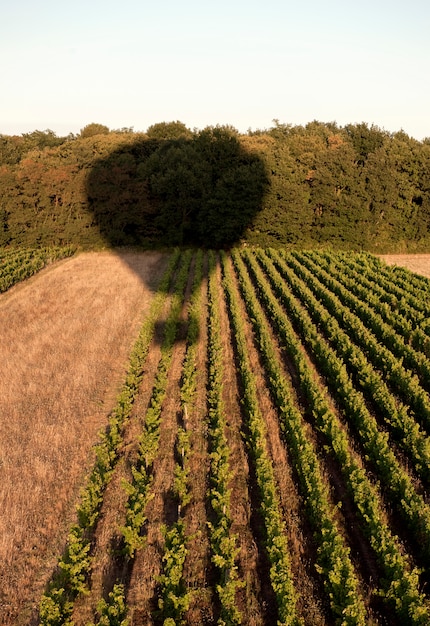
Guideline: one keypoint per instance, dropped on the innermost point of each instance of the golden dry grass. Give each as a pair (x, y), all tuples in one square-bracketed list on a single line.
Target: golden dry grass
[(65, 340), (418, 263)]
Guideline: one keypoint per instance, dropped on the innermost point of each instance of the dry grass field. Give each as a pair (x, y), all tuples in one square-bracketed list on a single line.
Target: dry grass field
[(418, 263), (66, 338)]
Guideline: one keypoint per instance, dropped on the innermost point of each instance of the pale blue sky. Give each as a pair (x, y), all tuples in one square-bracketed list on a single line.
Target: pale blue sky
[(134, 63)]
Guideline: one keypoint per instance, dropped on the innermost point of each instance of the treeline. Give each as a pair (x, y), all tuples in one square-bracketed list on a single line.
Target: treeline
[(352, 187)]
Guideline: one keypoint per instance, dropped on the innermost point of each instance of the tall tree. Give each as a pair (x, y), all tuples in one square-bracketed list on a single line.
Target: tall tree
[(93, 129), (169, 130)]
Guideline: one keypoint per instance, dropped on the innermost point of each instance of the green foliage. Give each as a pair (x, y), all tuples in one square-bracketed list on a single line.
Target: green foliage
[(56, 605), (207, 188), (75, 562), (411, 606), (364, 327), (175, 599), (169, 130), (223, 542), (181, 483), (333, 556), (356, 187), (113, 612), (55, 609), (19, 264), (276, 542), (138, 497), (365, 140), (91, 130)]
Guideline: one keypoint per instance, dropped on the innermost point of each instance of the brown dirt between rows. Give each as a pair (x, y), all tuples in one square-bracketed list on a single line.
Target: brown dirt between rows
[(140, 575), (255, 600), (198, 570), (302, 549), (162, 508), (362, 554)]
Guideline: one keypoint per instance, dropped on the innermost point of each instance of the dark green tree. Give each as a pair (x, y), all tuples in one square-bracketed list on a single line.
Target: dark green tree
[(337, 196), (169, 130), (365, 139), (11, 149), (176, 179), (206, 189)]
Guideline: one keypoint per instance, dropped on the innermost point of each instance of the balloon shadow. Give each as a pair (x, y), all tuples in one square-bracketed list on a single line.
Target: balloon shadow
[(203, 190), (200, 191)]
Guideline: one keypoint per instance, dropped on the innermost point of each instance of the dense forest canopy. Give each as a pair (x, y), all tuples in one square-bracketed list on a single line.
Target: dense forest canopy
[(352, 187)]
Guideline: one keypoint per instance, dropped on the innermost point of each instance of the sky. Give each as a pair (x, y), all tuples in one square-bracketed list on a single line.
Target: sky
[(133, 63)]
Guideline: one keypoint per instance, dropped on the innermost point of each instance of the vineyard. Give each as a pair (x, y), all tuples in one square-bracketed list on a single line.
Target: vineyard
[(267, 460), (17, 265)]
